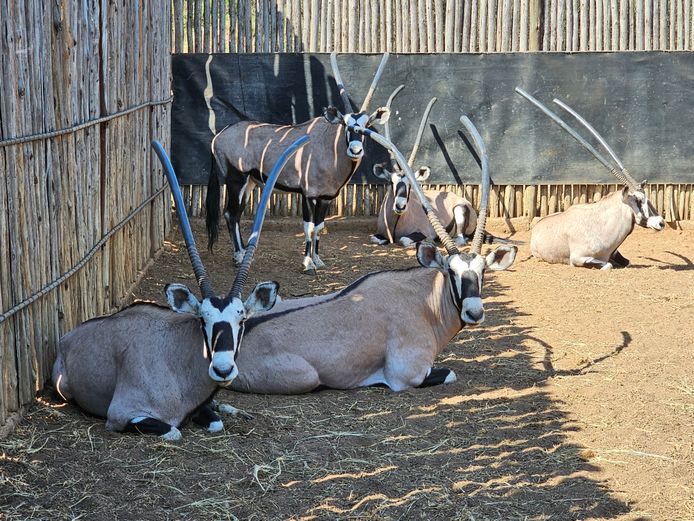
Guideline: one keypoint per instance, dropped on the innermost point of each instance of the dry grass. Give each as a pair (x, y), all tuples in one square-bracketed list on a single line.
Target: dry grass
[(551, 418)]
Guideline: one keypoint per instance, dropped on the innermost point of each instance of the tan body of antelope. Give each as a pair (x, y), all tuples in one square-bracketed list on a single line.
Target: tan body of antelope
[(406, 224), (147, 368), (244, 152), (385, 328), (589, 235)]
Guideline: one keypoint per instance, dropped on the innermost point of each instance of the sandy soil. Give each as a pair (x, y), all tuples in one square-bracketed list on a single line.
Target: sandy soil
[(575, 400)]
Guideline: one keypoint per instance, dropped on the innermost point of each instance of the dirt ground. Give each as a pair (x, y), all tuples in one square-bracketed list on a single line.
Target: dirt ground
[(575, 400)]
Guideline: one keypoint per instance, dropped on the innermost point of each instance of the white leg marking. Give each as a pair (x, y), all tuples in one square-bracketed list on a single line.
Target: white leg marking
[(459, 217), (450, 378), (376, 240), (308, 263), (137, 419), (308, 230), (316, 259), (173, 435), (238, 256), (460, 240), (318, 262), (377, 378), (215, 426), (230, 409), (406, 241)]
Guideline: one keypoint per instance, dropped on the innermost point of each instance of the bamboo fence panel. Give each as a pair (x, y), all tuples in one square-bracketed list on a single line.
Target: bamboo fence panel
[(414, 26), (61, 65)]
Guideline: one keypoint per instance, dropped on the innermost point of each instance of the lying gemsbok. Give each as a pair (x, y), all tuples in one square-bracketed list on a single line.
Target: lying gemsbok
[(406, 224), (244, 152), (588, 235), (147, 368), (385, 328)]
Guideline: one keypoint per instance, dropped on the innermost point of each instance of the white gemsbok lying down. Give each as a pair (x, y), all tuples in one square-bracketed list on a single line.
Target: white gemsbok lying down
[(244, 152), (588, 235), (385, 328), (406, 224), (148, 368)]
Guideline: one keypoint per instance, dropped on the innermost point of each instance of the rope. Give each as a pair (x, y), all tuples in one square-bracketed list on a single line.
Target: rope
[(89, 123), (50, 287)]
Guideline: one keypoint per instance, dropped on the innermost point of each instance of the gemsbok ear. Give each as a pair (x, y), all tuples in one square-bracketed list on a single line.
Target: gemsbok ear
[(380, 171), (262, 298), (181, 299), (501, 258), (428, 255), (332, 115), (423, 174), (625, 194), (380, 116)]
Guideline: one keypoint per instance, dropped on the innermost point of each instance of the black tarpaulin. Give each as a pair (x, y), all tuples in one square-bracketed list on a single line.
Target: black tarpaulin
[(636, 100)]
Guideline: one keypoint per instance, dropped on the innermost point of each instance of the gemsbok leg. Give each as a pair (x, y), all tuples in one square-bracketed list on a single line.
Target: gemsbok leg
[(206, 417), (314, 211), (238, 184)]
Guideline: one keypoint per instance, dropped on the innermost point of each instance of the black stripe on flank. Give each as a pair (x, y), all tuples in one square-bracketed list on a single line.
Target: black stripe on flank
[(450, 226), (258, 176), (257, 320)]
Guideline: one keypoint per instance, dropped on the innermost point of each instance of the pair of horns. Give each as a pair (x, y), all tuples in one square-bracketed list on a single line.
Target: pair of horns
[(422, 124), (341, 86), (617, 170), (195, 260)]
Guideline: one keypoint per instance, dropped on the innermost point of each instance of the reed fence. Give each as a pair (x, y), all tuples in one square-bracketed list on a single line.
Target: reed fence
[(413, 26), (85, 88)]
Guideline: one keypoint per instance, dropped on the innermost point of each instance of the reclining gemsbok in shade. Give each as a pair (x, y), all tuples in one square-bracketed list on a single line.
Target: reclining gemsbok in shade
[(244, 151), (385, 328), (147, 368), (588, 235), (406, 224)]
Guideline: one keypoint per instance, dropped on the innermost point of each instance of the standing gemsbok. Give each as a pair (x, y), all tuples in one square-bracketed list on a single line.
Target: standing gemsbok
[(147, 368), (243, 153), (385, 328), (406, 224), (588, 235)]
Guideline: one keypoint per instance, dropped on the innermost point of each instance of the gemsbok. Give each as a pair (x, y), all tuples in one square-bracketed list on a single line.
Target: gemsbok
[(405, 224), (385, 328), (588, 235), (244, 152), (147, 368)]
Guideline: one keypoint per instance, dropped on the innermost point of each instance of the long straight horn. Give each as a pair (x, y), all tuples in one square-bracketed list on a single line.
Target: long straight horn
[(386, 126), (198, 268), (618, 173), (372, 88), (486, 182), (340, 86), (440, 230), (418, 139), (625, 176), (245, 267)]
